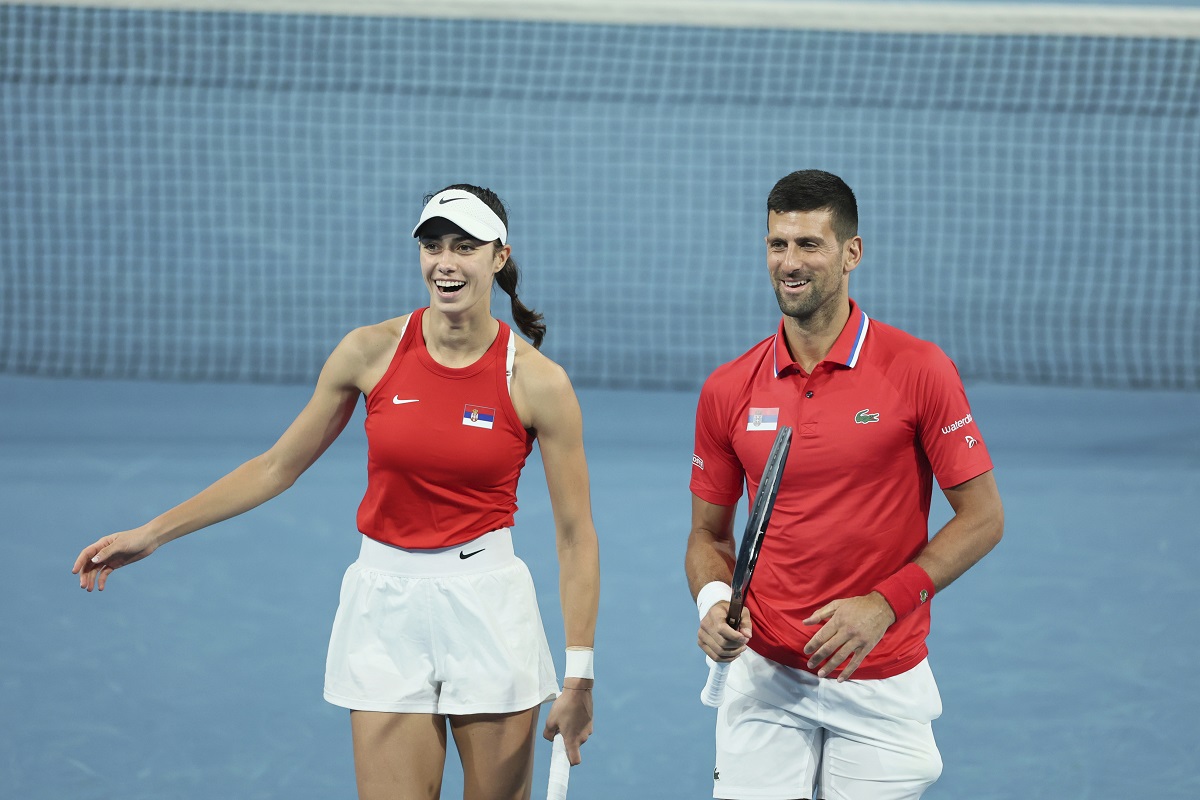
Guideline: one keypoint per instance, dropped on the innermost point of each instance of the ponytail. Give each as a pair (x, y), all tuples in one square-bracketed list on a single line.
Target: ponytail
[(529, 321)]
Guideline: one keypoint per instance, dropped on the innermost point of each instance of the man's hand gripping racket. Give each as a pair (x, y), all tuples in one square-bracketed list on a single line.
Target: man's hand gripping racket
[(756, 526)]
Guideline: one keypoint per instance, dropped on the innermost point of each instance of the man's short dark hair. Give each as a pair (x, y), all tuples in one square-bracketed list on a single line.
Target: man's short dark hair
[(814, 190)]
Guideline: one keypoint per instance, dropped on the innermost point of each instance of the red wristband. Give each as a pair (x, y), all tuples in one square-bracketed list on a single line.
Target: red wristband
[(907, 590)]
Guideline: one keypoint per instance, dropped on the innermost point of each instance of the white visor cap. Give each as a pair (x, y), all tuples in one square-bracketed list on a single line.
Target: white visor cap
[(467, 212)]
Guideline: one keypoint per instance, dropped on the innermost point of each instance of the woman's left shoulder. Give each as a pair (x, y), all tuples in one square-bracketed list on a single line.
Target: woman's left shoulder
[(537, 367), (540, 385)]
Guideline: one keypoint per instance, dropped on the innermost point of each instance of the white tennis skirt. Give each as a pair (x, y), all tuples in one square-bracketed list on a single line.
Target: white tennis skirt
[(454, 630)]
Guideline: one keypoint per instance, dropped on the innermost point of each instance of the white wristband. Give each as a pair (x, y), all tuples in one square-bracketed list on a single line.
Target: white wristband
[(712, 593), (579, 663)]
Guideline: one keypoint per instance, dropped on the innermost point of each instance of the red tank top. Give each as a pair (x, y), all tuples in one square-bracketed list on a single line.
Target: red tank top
[(445, 447)]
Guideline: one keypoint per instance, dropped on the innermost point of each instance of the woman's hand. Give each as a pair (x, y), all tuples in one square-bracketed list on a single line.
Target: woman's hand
[(97, 561), (571, 715)]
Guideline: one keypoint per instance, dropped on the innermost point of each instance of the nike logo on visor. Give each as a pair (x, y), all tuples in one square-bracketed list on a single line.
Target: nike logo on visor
[(445, 200)]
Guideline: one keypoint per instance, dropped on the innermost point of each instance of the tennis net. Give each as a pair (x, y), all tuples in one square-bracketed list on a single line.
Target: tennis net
[(221, 194)]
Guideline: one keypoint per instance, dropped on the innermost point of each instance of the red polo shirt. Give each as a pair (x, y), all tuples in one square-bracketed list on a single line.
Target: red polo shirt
[(872, 424)]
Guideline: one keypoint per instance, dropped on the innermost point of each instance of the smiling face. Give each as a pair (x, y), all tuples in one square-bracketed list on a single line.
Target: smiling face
[(459, 271), (809, 267)]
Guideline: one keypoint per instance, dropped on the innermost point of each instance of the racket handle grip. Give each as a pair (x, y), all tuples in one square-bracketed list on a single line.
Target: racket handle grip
[(560, 770), (714, 688)]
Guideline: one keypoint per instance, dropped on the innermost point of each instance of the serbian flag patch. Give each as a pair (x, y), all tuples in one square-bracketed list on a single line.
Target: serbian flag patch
[(478, 416), (762, 419)]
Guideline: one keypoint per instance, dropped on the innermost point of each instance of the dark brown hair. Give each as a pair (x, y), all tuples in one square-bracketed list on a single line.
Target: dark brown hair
[(814, 190), (528, 321)]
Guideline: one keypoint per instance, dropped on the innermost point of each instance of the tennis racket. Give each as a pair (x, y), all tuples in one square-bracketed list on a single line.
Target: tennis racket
[(743, 570), (560, 770)]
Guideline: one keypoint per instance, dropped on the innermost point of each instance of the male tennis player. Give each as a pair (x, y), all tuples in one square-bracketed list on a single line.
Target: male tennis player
[(832, 696)]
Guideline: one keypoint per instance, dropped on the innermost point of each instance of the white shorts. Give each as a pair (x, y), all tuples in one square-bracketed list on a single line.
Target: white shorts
[(449, 631), (785, 733)]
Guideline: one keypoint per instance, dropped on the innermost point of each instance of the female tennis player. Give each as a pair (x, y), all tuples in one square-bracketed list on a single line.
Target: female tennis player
[(438, 625)]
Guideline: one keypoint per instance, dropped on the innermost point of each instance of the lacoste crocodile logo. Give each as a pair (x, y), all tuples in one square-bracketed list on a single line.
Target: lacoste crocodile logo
[(866, 417)]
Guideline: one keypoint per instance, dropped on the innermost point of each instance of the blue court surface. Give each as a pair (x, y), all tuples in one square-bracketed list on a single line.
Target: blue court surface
[(1066, 659)]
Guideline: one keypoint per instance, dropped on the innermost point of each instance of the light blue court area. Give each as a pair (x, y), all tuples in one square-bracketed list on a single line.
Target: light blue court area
[(1066, 659)]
